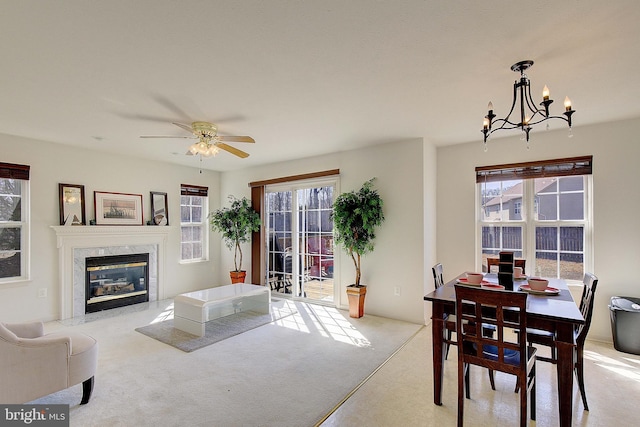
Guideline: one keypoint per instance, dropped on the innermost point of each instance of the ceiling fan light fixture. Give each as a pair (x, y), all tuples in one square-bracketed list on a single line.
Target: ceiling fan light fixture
[(204, 149), (211, 151), (208, 143)]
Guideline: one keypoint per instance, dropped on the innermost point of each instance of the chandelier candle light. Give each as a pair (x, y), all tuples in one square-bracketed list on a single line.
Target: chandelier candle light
[(529, 114)]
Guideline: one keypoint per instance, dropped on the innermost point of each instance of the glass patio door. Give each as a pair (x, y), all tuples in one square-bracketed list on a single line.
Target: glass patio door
[(299, 243)]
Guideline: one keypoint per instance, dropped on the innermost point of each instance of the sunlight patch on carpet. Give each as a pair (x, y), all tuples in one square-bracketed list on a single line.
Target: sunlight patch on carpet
[(167, 314), (162, 328)]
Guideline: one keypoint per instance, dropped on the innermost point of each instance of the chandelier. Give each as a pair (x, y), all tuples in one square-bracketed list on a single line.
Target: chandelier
[(529, 114)]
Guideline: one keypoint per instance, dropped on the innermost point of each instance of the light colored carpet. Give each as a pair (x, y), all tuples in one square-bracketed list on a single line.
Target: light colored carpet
[(216, 330), (291, 372)]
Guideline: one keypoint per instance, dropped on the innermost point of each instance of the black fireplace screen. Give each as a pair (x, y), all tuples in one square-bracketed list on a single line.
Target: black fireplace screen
[(116, 280)]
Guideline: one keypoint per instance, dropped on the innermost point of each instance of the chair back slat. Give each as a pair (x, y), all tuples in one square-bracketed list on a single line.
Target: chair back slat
[(438, 275), (586, 306)]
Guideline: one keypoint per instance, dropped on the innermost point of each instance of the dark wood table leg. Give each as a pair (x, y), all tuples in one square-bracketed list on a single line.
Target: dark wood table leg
[(438, 331), (565, 346)]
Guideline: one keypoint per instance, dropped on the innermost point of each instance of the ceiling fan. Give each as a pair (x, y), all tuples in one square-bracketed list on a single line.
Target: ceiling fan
[(209, 142)]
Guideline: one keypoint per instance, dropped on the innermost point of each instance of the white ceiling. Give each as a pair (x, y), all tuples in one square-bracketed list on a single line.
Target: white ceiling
[(303, 77)]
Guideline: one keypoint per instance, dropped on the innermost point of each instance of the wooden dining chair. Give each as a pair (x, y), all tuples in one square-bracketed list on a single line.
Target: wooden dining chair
[(495, 261), (449, 319), (538, 337), (505, 310)]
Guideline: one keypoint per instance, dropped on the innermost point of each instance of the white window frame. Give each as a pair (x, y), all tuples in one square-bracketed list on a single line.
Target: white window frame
[(529, 224), (203, 225), (24, 224), (294, 186)]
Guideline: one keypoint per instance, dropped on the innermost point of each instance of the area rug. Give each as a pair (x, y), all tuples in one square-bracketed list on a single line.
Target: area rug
[(215, 330)]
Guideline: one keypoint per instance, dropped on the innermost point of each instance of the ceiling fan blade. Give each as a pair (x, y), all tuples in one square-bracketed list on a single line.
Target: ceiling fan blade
[(167, 136), (145, 117), (185, 127), (229, 138), (232, 150), (236, 138)]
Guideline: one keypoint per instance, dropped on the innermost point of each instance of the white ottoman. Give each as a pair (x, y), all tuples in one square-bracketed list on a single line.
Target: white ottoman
[(192, 310)]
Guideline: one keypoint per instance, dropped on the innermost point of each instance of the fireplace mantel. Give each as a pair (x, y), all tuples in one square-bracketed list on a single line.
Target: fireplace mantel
[(84, 238), (92, 231)]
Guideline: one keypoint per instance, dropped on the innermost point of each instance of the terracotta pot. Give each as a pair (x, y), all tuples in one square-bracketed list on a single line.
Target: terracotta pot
[(237, 276), (356, 300)]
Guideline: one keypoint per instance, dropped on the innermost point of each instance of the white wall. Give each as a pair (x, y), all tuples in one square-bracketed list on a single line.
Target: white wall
[(54, 163), (399, 254), (616, 203)]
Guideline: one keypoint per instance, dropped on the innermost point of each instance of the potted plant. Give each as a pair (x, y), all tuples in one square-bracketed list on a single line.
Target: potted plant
[(356, 215), (236, 223)]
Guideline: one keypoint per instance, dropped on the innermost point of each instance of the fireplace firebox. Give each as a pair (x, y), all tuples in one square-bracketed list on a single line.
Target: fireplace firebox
[(115, 281)]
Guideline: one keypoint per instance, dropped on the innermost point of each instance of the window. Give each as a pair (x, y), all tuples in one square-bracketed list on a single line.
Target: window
[(295, 251), (502, 228), (194, 205), (560, 224), (300, 239), (541, 212), (14, 222)]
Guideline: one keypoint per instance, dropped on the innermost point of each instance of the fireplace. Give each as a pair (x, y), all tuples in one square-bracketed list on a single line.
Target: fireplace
[(115, 281), (77, 243)]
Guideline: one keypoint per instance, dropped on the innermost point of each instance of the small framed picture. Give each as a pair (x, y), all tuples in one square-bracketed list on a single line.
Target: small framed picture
[(118, 208), (159, 208), (72, 204)]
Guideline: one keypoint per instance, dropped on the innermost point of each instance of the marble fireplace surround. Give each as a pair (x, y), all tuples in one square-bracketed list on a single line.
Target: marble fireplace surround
[(76, 243)]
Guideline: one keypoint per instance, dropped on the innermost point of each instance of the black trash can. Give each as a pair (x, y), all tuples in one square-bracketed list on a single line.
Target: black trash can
[(625, 324)]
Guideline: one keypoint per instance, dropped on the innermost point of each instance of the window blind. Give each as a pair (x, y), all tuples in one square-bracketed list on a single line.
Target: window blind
[(13, 171), (193, 190), (292, 178), (538, 169)]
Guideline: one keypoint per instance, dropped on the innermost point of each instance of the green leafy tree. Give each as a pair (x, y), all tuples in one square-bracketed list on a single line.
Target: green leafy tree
[(235, 223), (356, 215)]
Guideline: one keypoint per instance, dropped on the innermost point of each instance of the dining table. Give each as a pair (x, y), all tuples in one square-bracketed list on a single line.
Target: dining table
[(553, 312)]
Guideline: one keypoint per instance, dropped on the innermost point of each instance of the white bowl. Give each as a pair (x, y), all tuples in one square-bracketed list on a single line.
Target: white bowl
[(474, 278), (538, 284)]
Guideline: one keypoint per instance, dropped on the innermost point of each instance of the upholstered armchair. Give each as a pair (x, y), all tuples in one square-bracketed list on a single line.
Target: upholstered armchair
[(33, 365)]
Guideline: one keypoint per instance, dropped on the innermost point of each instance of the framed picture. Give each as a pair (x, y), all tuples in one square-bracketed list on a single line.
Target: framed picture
[(118, 208), (72, 204), (159, 208)]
